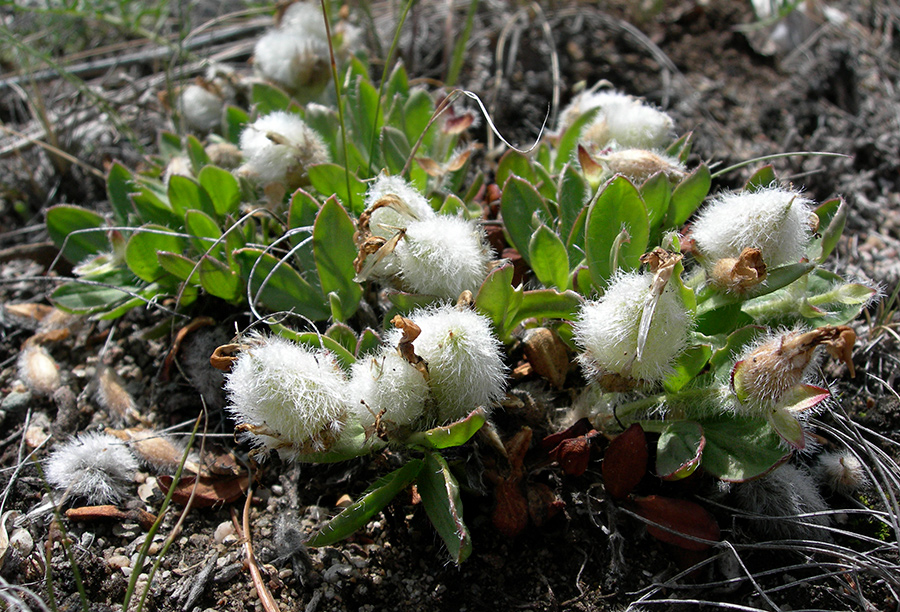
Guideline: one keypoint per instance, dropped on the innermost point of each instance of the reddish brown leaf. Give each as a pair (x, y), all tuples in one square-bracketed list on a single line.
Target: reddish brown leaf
[(211, 491), (681, 516), (511, 512), (573, 455), (625, 462), (581, 427)]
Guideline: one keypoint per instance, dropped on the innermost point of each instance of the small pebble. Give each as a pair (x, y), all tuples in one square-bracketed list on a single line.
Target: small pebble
[(119, 561), (16, 401), (224, 530), (22, 541)]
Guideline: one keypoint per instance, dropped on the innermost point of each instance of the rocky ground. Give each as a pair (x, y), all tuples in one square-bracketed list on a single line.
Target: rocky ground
[(828, 85)]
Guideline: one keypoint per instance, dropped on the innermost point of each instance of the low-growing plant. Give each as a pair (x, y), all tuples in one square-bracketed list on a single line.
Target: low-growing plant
[(702, 335)]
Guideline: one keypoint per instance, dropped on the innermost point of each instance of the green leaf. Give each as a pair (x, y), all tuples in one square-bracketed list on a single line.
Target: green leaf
[(368, 344), (546, 186), (688, 196), (331, 179), (398, 83), (440, 495), (573, 196), (197, 153), (285, 289), (220, 280), (688, 365), (118, 188), (575, 241), (204, 232), (223, 189), (656, 193), (518, 204), (82, 231), (235, 121), (100, 294), (568, 142), (335, 251), (548, 258), (186, 194), (144, 244), (318, 341), (619, 206), (302, 214), (416, 114), (395, 148), (832, 219), (761, 179), (788, 427), (362, 100), (343, 335), (679, 449), (152, 204), (455, 434), (179, 266), (740, 448), (267, 98), (371, 503), (497, 299), (681, 148), (517, 164), (545, 304), (169, 144)]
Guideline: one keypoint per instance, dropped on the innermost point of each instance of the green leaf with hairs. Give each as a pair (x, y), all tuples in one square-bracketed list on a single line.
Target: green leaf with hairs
[(285, 288), (118, 188), (688, 195), (335, 250), (740, 448), (568, 142), (520, 202), (761, 179), (218, 279), (448, 436), (440, 495), (79, 232), (223, 189), (619, 207), (371, 503), (143, 246), (548, 258), (331, 179), (517, 164), (679, 449)]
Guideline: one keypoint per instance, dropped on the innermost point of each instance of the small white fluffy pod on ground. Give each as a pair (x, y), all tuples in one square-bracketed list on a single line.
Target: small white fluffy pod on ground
[(388, 387), (395, 204), (286, 397), (776, 221), (443, 256), (278, 147), (465, 367), (841, 472), (607, 330), (201, 106), (38, 369), (95, 466)]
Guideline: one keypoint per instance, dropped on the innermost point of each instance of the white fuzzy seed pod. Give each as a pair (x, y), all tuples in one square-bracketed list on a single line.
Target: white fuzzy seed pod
[(465, 368), (622, 122), (38, 369), (443, 256), (293, 59), (412, 205), (774, 220), (278, 147), (288, 397), (388, 387), (201, 108), (841, 472), (93, 466), (607, 330)]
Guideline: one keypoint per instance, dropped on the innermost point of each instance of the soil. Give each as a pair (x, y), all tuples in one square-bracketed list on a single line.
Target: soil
[(709, 65)]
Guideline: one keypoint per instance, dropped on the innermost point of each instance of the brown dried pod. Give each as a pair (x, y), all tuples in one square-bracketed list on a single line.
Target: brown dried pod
[(739, 275), (547, 354)]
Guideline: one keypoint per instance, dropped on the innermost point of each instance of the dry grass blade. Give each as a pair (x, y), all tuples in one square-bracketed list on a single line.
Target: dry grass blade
[(265, 596)]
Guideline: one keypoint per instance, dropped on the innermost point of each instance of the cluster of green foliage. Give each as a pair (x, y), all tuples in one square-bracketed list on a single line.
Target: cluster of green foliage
[(214, 233)]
